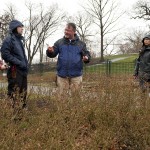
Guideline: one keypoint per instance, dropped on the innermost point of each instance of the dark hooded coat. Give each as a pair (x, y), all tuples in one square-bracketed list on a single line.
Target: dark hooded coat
[(142, 68), (12, 49)]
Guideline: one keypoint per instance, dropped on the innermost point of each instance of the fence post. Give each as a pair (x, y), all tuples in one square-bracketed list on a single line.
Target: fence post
[(108, 67), (41, 67)]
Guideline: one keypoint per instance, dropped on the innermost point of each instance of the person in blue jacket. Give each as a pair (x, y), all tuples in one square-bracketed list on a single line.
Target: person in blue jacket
[(13, 52), (72, 52)]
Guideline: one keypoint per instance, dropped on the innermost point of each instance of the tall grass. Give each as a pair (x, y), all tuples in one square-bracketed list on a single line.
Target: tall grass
[(111, 114)]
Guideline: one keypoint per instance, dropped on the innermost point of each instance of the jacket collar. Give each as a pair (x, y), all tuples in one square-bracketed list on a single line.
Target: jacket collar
[(67, 41), (18, 36)]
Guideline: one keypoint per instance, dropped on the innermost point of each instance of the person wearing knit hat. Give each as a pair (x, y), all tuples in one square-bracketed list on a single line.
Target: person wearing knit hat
[(142, 67)]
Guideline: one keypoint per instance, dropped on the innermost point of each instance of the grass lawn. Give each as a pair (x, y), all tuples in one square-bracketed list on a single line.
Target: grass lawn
[(122, 55), (112, 68), (125, 66)]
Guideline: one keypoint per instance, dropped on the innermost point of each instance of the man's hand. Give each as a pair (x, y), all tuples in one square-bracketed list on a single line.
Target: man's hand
[(50, 49), (3, 67), (85, 58)]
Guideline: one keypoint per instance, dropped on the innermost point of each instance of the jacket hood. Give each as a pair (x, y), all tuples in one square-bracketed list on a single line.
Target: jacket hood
[(14, 24)]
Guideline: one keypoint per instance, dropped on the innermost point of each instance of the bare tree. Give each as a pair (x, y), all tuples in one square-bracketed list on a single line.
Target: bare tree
[(113, 49), (49, 24), (105, 17), (84, 25), (125, 48), (5, 18), (11, 11), (4, 22), (142, 10), (39, 27), (133, 42)]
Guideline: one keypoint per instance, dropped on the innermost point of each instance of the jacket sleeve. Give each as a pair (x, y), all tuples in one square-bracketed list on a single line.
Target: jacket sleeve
[(55, 53), (85, 52), (7, 55), (136, 69)]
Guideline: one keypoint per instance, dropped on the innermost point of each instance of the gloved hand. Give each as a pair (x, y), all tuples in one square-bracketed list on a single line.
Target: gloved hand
[(85, 58), (3, 67)]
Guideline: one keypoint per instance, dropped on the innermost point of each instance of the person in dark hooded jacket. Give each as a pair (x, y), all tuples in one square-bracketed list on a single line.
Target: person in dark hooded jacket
[(142, 67), (72, 52), (13, 52)]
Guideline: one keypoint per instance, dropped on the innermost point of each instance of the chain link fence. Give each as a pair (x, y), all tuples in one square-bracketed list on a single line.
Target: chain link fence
[(105, 68)]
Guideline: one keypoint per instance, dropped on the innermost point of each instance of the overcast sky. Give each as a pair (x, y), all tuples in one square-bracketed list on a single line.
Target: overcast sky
[(69, 5), (72, 6)]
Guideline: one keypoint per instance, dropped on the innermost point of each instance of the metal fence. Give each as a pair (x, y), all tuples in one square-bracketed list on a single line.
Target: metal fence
[(107, 68)]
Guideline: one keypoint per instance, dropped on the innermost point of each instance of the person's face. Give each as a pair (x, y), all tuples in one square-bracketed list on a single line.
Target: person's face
[(20, 30), (146, 41), (69, 32)]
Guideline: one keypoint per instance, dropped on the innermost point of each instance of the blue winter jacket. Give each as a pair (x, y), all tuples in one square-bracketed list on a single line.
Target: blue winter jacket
[(70, 55), (12, 49)]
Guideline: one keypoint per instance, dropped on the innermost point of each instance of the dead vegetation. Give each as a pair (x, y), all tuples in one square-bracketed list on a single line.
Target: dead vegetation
[(111, 114)]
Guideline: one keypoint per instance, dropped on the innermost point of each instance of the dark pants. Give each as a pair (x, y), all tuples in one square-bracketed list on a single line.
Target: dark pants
[(144, 81), (17, 85)]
